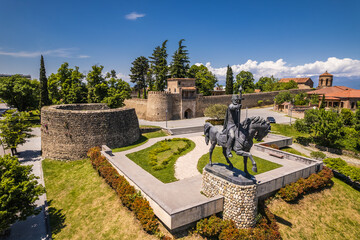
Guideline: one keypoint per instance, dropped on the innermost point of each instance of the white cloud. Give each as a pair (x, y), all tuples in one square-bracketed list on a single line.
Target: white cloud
[(345, 67), (61, 52), (134, 16)]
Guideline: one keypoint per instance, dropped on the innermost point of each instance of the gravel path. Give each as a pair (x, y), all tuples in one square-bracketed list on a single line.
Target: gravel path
[(186, 166)]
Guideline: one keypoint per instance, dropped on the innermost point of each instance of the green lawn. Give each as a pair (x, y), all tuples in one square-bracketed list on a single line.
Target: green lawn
[(143, 139), (293, 151), (330, 214), (83, 206), (287, 130), (218, 157), (167, 174)]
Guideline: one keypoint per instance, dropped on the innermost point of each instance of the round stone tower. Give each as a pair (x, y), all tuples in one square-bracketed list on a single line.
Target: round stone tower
[(325, 80), (158, 103)]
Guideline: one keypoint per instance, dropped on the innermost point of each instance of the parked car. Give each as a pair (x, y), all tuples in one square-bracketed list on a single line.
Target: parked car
[(271, 119)]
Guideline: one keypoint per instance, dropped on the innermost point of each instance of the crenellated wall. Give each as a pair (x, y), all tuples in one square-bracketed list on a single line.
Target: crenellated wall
[(154, 108), (69, 131)]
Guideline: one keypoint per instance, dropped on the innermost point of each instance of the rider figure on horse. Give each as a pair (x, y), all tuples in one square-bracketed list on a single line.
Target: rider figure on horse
[(232, 122)]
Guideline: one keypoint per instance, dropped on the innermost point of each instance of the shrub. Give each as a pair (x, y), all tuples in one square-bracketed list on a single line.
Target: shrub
[(318, 155), (216, 111), (127, 193), (260, 102), (341, 166), (215, 121), (293, 191)]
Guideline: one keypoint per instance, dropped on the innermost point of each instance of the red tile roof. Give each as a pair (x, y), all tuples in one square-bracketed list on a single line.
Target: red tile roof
[(337, 92), (188, 88), (297, 80), (329, 90), (326, 74)]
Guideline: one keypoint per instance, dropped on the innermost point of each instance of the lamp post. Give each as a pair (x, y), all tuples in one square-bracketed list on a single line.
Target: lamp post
[(166, 119)]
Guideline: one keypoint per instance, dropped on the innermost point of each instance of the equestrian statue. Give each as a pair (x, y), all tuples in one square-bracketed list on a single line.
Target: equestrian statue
[(236, 135)]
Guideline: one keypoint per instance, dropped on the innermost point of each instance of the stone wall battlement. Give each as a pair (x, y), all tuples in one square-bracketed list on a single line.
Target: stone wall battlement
[(69, 131)]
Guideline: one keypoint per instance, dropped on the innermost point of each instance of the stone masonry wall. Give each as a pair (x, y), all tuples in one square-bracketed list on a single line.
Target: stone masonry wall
[(140, 106), (240, 202), (68, 134)]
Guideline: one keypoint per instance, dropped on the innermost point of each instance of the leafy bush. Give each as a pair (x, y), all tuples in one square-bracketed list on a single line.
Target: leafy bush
[(341, 166), (216, 228), (216, 111), (260, 102), (215, 121), (127, 193), (19, 190), (315, 181), (318, 155)]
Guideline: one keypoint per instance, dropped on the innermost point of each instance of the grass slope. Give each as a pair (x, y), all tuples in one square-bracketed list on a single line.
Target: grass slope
[(330, 214), (218, 157), (287, 130), (293, 151), (167, 174), (82, 205)]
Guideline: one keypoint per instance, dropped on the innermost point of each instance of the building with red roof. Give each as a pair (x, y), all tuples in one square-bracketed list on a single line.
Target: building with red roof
[(302, 82)]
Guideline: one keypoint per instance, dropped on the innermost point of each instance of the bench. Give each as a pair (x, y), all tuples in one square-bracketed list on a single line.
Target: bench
[(276, 155)]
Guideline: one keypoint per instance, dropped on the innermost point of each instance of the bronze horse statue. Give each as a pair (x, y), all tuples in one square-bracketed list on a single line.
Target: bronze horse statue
[(253, 127)]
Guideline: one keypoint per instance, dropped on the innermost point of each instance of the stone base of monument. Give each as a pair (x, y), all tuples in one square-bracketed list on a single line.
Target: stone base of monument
[(238, 190)]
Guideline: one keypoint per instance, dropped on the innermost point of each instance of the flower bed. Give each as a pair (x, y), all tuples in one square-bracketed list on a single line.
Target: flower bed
[(127, 193), (216, 228), (315, 181)]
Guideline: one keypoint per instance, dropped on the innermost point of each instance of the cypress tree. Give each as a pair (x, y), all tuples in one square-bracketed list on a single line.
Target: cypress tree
[(180, 62), (139, 72), (322, 105), (229, 81), (44, 93)]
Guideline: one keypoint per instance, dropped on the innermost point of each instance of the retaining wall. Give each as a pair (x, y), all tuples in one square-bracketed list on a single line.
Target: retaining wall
[(69, 131)]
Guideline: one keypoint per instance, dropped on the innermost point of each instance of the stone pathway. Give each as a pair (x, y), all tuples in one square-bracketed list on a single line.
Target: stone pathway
[(186, 166)]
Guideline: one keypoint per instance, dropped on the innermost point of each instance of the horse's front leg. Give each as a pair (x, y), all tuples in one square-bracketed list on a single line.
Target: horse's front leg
[(245, 165), (247, 154), (227, 159), (213, 144)]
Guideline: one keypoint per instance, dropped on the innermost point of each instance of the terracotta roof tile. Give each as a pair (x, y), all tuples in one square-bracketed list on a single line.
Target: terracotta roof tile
[(297, 80), (326, 74), (188, 88)]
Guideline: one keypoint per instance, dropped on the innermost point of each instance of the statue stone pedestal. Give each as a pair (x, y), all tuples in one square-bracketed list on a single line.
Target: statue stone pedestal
[(240, 201)]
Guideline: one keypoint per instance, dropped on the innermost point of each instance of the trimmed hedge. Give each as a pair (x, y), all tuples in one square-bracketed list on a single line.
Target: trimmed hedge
[(127, 193), (215, 121), (315, 181), (217, 228), (318, 155), (342, 167)]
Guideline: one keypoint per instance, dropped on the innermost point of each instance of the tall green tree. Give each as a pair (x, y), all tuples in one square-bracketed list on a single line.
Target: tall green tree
[(159, 66), (14, 129), (118, 91), (67, 86), (19, 191), (20, 92), (284, 96), (139, 72), (322, 104), (180, 62), (229, 89), (205, 80), (246, 79), (44, 93), (96, 84)]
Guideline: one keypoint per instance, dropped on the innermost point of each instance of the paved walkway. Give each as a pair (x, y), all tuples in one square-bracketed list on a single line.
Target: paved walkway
[(34, 227)]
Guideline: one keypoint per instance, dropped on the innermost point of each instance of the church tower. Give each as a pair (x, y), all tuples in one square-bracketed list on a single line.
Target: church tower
[(325, 80)]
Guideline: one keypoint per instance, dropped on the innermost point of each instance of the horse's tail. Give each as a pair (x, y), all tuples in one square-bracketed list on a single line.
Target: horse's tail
[(207, 127)]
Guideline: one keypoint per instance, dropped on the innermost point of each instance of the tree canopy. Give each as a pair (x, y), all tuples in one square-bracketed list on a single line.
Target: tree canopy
[(67, 86), (118, 90), (229, 89), (14, 129), (269, 84), (180, 62), (20, 92), (19, 190), (159, 68), (97, 85), (139, 72), (246, 79), (205, 80)]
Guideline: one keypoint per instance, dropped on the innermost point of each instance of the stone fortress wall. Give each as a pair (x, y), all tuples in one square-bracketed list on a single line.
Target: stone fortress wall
[(69, 131), (154, 108)]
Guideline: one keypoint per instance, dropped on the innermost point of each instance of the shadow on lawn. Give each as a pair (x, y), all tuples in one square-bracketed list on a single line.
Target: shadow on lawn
[(57, 219), (282, 221)]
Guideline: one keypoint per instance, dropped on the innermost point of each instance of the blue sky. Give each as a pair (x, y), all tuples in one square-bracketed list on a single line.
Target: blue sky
[(278, 37)]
